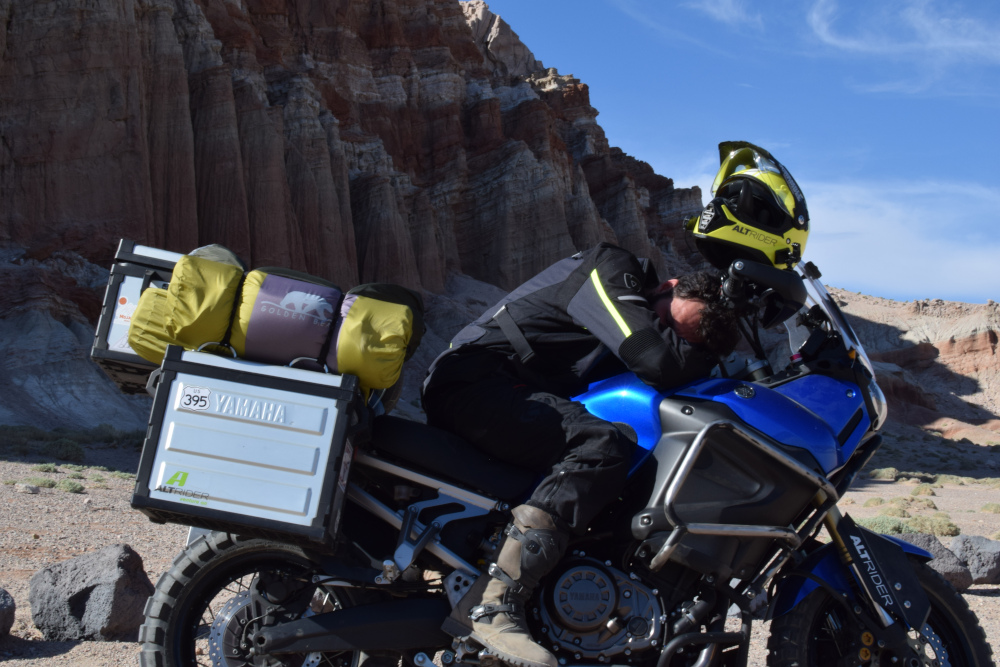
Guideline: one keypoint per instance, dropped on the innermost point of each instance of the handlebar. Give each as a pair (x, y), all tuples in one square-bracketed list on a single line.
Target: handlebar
[(782, 292)]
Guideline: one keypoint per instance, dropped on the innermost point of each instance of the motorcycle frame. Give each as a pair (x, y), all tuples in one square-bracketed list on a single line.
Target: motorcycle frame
[(414, 536)]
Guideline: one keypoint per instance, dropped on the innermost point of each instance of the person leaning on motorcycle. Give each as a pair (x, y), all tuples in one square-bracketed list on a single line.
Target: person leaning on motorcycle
[(504, 385)]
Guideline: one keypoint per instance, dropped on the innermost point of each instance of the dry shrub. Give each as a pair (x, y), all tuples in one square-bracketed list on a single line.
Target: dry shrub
[(935, 525), (894, 510), (69, 486), (886, 525)]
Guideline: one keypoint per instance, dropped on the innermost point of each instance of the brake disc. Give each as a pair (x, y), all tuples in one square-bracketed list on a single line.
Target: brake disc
[(930, 638), (227, 644)]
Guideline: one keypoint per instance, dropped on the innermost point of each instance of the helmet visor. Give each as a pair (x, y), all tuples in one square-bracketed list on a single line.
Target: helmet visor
[(749, 163)]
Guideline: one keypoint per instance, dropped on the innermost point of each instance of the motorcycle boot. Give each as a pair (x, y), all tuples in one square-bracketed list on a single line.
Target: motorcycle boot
[(533, 546)]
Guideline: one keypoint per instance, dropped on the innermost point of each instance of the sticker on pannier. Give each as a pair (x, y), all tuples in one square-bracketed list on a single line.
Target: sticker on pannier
[(281, 319)]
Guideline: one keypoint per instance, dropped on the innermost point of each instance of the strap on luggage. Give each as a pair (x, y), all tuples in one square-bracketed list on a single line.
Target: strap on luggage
[(514, 335)]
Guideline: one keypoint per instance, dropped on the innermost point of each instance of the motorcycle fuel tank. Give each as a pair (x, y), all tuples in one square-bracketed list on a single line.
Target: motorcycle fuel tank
[(819, 414)]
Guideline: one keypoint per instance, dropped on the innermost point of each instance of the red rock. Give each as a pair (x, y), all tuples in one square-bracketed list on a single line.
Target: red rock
[(359, 140)]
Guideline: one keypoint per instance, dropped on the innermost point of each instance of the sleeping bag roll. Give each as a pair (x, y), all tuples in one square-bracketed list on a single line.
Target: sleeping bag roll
[(370, 340), (200, 301), (404, 296), (280, 318), (146, 333)]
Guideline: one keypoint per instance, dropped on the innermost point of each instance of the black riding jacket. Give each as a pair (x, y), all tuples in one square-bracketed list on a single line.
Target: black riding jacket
[(581, 320)]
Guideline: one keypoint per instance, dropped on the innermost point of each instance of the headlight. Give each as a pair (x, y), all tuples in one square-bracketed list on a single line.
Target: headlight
[(879, 404)]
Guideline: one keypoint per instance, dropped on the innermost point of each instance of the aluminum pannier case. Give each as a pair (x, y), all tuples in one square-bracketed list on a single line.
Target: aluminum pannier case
[(136, 268), (248, 448)]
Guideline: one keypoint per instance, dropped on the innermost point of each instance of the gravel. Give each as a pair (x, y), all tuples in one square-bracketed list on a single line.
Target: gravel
[(37, 530)]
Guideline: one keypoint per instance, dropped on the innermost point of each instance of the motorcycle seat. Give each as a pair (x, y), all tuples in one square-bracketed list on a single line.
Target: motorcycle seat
[(437, 452)]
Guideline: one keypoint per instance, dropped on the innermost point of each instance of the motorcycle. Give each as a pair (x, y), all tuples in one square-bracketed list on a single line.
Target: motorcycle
[(734, 480)]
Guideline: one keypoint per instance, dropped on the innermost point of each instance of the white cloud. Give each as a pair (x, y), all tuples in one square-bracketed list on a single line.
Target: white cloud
[(919, 32), (731, 12), (906, 240), (642, 14)]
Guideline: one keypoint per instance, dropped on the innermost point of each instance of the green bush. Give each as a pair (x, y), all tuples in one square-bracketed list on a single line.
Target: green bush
[(884, 473), (109, 435), (923, 490), (935, 525), (64, 449), (41, 482), (874, 502), (69, 486), (76, 475), (27, 440), (952, 479), (120, 474), (921, 476), (894, 510), (15, 435), (45, 467), (886, 525), (991, 508)]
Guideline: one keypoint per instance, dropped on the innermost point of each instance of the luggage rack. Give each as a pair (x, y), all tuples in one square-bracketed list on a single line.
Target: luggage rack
[(788, 536)]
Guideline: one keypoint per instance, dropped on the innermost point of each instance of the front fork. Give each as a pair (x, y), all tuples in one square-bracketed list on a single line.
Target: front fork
[(830, 522), (883, 581)]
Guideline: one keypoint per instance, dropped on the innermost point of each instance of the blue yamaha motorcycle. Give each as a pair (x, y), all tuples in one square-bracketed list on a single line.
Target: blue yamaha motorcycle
[(730, 517)]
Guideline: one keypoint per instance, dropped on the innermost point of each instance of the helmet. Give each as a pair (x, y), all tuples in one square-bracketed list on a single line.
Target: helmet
[(758, 211)]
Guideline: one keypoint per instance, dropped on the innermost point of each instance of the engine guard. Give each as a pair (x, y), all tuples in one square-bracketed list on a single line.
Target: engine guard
[(873, 554)]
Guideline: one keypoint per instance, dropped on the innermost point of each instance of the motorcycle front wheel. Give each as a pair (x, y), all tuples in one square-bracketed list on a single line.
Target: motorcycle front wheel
[(821, 632), (203, 605)]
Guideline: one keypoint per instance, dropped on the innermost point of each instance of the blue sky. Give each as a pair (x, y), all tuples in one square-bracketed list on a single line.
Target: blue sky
[(887, 113)]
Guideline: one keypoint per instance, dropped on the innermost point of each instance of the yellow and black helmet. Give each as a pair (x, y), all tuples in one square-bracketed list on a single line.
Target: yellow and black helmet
[(757, 212)]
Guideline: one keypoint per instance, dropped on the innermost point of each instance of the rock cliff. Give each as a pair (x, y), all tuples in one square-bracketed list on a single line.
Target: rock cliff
[(936, 360), (409, 141), (359, 140)]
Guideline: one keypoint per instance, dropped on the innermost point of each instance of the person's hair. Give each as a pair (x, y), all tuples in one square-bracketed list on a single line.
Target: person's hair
[(718, 327)]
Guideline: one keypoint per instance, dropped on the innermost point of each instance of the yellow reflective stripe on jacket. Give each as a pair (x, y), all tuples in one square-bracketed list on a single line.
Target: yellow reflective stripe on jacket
[(607, 303)]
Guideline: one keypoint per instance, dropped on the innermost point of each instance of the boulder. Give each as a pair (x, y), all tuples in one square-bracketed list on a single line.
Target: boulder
[(7, 609), (98, 596), (945, 562), (982, 555)]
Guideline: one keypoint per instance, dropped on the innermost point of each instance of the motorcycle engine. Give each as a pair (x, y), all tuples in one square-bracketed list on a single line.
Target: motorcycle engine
[(593, 611)]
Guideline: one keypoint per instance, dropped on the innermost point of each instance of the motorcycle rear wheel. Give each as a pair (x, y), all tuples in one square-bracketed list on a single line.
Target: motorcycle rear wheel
[(821, 632), (202, 603)]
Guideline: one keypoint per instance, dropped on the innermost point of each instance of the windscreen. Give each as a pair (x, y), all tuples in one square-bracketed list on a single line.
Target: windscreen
[(818, 296)]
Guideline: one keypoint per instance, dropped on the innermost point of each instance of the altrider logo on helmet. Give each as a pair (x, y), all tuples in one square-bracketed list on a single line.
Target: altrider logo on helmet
[(763, 238), (706, 218)]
